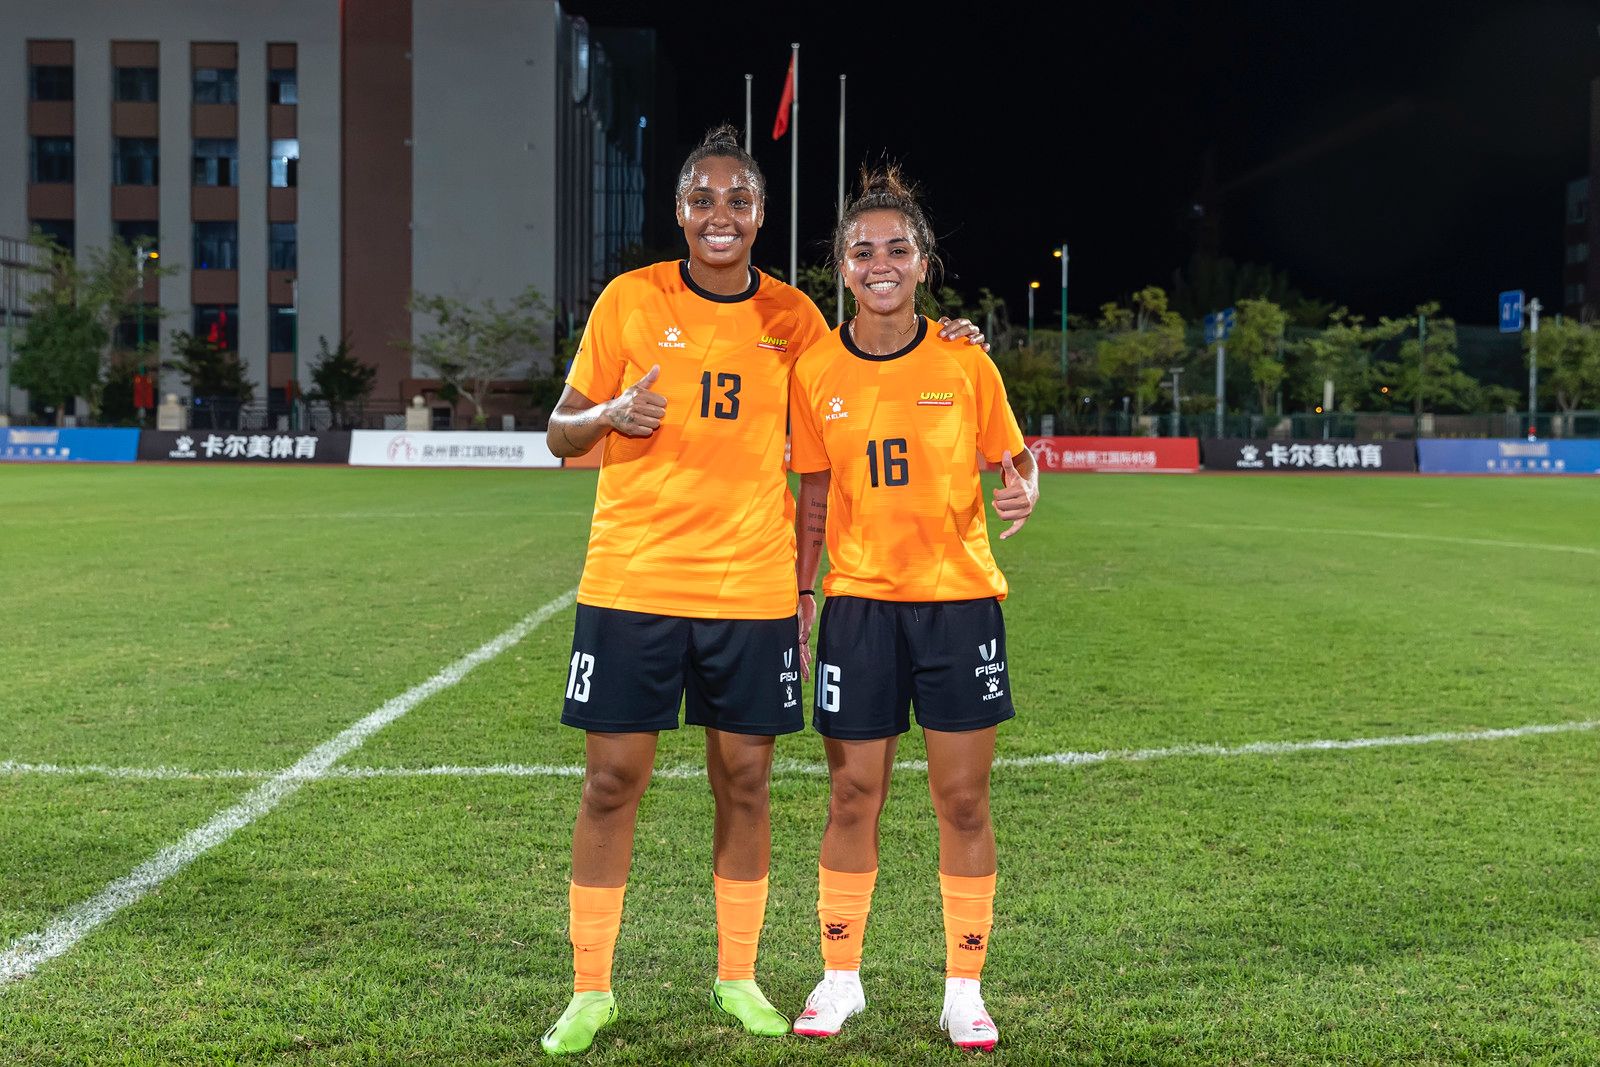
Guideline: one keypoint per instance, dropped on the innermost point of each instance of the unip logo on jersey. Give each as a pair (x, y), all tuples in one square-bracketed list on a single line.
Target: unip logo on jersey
[(936, 400), (672, 334), (773, 344), (835, 410)]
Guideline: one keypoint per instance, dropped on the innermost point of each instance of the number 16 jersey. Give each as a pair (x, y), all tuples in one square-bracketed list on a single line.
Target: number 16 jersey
[(901, 435)]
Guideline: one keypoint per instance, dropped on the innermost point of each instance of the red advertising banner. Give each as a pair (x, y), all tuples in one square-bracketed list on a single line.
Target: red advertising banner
[(1124, 454)]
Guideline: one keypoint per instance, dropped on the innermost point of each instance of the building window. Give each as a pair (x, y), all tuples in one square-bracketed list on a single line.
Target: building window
[(216, 161), (140, 233), (284, 163), (50, 83), (214, 85), (136, 161), (218, 324), (282, 253), (138, 85), (1575, 293), (280, 328), (62, 231), (283, 86), (51, 160), (216, 246)]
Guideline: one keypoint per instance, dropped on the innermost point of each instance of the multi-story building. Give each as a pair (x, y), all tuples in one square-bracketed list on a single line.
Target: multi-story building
[(1575, 272), (305, 166)]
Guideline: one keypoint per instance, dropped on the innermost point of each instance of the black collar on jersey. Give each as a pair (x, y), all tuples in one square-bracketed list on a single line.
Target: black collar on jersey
[(721, 298), (850, 342)]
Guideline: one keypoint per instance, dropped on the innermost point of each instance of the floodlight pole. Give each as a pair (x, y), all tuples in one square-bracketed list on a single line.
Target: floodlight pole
[(1222, 362), (1534, 307), (1177, 373)]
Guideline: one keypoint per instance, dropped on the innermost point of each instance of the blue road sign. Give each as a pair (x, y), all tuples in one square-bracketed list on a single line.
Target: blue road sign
[(1511, 311), (1219, 324)]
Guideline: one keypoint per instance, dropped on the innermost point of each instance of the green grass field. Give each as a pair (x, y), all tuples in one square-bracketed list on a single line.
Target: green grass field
[(1436, 901)]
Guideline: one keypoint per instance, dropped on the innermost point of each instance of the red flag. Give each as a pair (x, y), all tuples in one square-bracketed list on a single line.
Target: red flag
[(780, 125)]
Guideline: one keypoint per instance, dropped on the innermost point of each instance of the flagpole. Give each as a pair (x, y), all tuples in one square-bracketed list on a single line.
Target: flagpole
[(794, 168), (748, 78), (838, 315)]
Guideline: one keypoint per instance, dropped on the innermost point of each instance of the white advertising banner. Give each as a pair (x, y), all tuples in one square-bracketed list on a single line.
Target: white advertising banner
[(445, 448)]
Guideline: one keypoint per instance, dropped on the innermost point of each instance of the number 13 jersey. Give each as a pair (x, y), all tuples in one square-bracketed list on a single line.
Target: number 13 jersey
[(901, 435), (695, 520)]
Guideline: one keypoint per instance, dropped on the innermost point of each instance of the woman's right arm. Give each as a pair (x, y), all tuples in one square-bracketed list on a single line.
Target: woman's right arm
[(810, 524), (578, 423)]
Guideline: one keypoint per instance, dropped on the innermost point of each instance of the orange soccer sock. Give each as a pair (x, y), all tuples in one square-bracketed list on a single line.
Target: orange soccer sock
[(968, 918), (596, 919), (741, 910), (843, 900)]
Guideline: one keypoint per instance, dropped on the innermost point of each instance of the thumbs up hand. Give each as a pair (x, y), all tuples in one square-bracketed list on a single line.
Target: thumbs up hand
[(1015, 499), (637, 412)]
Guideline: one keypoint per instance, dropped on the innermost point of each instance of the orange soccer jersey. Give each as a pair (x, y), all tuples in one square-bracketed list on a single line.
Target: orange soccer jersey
[(697, 519), (901, 434)]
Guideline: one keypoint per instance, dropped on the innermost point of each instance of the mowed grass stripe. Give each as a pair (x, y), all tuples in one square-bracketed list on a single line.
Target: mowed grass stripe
[(786, 766), (27, 953)]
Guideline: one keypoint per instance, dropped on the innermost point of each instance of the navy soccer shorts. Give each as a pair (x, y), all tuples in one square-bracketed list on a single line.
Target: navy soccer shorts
[(631, 671), (876, 659)]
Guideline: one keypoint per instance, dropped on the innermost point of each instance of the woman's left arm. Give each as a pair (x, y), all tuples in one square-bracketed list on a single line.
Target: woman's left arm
[(1019, 490)]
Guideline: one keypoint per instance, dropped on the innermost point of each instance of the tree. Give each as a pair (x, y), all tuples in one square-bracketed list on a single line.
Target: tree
[(1033, 382), (342, 382), (473, 346), (1569, 363), (1257, 342), (215, 378), (59, 356), (77, 313), (1428, 375), (1342, 352), (1140, 342)]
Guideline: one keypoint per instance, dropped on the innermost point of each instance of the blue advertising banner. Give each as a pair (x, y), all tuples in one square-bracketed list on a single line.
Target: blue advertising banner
[(46, 444), (1513, 456)]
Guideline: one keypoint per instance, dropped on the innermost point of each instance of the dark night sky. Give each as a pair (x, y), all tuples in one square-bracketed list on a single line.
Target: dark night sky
[(1423, 148)]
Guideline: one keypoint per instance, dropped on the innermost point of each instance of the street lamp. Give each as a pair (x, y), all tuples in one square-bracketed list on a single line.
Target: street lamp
[(1061, 254), (1031, 287), (141, 253), (294, 349)]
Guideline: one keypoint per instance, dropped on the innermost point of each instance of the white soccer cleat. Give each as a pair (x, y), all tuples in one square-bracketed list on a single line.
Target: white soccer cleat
[(965, 1018), (837, 997)]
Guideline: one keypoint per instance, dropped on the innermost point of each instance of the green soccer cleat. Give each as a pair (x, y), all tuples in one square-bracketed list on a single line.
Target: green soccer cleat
[(744, 1000), (574, 1031)]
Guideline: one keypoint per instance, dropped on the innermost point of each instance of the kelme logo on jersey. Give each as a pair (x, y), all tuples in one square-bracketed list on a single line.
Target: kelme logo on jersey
[(936, 400), (835, 410), (774, 344), (672, 334)]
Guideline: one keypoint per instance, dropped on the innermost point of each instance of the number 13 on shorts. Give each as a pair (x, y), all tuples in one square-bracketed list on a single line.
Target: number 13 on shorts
[(827, 687), (578, 677)]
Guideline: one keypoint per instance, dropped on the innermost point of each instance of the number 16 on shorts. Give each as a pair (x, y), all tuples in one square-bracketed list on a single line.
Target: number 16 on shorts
[(828, 688), (578, 677)]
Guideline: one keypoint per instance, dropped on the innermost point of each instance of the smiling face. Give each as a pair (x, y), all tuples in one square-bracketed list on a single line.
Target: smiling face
[(882, 263), (720, 211)]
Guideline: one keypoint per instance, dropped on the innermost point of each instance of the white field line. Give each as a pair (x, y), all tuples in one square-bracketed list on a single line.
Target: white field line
[(27, 953), (815, 768), (1390, 535)]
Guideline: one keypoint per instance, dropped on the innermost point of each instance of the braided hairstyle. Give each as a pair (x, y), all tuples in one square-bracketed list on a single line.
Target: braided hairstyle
[(723, 141), (885, 188)]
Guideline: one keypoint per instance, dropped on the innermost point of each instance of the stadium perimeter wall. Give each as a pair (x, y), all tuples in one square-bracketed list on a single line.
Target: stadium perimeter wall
[(529, 451)]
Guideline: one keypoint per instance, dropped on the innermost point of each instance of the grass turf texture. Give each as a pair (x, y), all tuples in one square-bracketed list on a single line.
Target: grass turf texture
[(1429, 904)]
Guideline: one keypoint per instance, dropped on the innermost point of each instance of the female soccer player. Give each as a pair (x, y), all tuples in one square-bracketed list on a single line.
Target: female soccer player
[(887, 423), (684, 372)]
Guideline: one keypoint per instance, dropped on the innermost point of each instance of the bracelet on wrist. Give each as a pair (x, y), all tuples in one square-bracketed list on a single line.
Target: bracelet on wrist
[(808, 592)]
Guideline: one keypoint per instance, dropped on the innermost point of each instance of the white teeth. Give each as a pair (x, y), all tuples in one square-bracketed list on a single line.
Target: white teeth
[(722, 240), (882, 287)]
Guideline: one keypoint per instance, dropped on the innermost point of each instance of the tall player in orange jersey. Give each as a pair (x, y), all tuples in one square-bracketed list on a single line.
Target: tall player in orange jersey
[(687, 589), (888, 422)]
